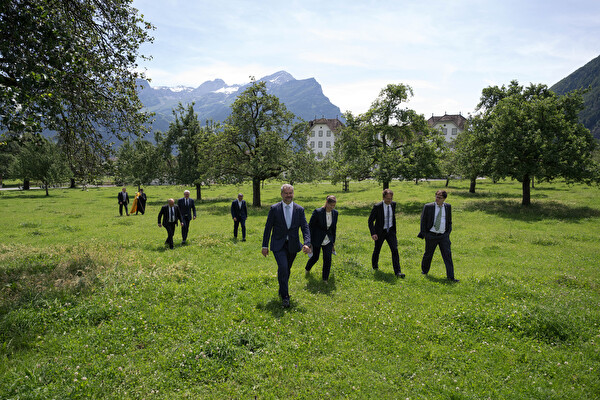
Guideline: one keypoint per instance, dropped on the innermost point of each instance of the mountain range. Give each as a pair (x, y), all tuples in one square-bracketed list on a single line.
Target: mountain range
[(586, 77), (212, 99)]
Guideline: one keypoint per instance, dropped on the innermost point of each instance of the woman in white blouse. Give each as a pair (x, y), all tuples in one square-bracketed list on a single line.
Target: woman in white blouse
[(322, 227)]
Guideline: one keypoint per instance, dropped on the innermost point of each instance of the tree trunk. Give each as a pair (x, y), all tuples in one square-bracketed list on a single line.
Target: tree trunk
[(386, 185), (26, 184), (256, 192), (346, 186), (46, 185), (526, 191), (198, 191), (533, 182), (447, 181), (416, 181), (72, 183), (472, 185)]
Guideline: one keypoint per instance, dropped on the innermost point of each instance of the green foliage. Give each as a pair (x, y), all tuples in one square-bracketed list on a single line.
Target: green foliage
[(585, 78), (68, 66), (102, 310), (39, 159), (138, 163), (532, 132), (259, 139)]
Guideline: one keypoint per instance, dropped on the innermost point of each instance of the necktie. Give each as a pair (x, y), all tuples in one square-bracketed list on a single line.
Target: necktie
[(438, 219), (170, 214), (288, 215), (389, 216)]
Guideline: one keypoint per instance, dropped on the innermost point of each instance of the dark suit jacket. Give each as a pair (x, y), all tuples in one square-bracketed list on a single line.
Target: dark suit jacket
[(186, 211), (376, 219), (276, 224), (318, 226), (427, 219), (164, 213), (123, 199), (237, 212)]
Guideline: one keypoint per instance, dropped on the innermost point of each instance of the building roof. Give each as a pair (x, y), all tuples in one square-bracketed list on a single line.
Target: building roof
[(456, 119), (333, 123)]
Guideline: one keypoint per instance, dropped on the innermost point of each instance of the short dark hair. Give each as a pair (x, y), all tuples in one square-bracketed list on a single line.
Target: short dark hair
[(387, 191), (442, 192)]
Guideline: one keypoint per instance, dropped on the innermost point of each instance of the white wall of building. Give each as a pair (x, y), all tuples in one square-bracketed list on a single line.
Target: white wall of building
[(321, 139)]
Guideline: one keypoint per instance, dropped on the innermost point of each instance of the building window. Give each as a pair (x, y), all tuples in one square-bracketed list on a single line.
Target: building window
[(454, 131), (328, 133), (312, 133), (320, 145), (444, 131), (312, 145), (328, 145)]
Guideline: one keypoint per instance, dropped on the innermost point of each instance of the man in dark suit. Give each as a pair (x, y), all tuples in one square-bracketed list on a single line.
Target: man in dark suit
[(123, 198), (239, 213), (141, 202), (382, 225), (323, 227), (436, 225), (188, 212), (283, 222), (168, 216)]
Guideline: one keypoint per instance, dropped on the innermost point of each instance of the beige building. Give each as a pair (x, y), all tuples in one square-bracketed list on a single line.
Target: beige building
[(322, 134), (449, 124)]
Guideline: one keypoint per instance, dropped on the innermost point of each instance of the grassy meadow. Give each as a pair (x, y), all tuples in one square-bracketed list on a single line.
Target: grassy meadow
[(93, 305)]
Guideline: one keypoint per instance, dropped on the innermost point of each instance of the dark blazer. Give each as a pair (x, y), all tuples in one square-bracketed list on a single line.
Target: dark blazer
[(276, 223), (376, 219), (427, 219), (237, 212), (164, 213), (186, 211), (123, 199), (318, 226)]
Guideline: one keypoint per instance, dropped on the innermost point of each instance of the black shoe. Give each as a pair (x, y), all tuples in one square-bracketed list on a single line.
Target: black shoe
[(400, 275), (244, 239), (454, 280), (375, 268), (423, 273), (183, 242), (285, 303)]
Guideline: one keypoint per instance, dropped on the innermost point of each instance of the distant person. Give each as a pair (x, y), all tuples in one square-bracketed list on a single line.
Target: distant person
[(123, 198), (382, 225), (188, 212), (283, 222), (239, 213), (436, 225), (168, 216), (322, 228), (141, 197)]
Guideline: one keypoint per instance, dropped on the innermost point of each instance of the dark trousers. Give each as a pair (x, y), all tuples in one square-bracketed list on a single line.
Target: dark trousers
[(121, 209), (141, 207), (170, 227), (390, 237), (431, 242), (235, 228), (185, 227), (284, 259), (327, 251)]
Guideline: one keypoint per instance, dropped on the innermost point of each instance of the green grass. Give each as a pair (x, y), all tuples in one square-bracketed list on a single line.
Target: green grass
[(92, 305)]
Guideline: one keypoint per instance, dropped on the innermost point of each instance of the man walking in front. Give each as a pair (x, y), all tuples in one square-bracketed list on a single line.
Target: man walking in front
[(188, 212), (283, 222), (123, 198), (239, 213), (436, 225), (168, 216), (382, 225)]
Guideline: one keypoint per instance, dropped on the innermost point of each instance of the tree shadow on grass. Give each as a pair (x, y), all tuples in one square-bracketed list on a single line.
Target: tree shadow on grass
[(537, 211), (486, 194), (443, 281)]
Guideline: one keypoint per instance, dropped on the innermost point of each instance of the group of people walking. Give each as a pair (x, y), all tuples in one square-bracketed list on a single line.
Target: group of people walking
[(286, 219)]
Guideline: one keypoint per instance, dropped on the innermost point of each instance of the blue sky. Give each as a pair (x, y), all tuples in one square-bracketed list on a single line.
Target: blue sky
[(447, 51)]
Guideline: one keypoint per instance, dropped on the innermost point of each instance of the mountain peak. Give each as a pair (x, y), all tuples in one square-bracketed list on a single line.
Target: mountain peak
[(278, 78)]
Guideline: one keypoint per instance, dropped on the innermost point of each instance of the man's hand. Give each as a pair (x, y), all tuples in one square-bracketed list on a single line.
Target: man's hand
[(159, 225), (306, 249), (265, 251), (182, 223), (374, 237), (194, 217), (235, 219)]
